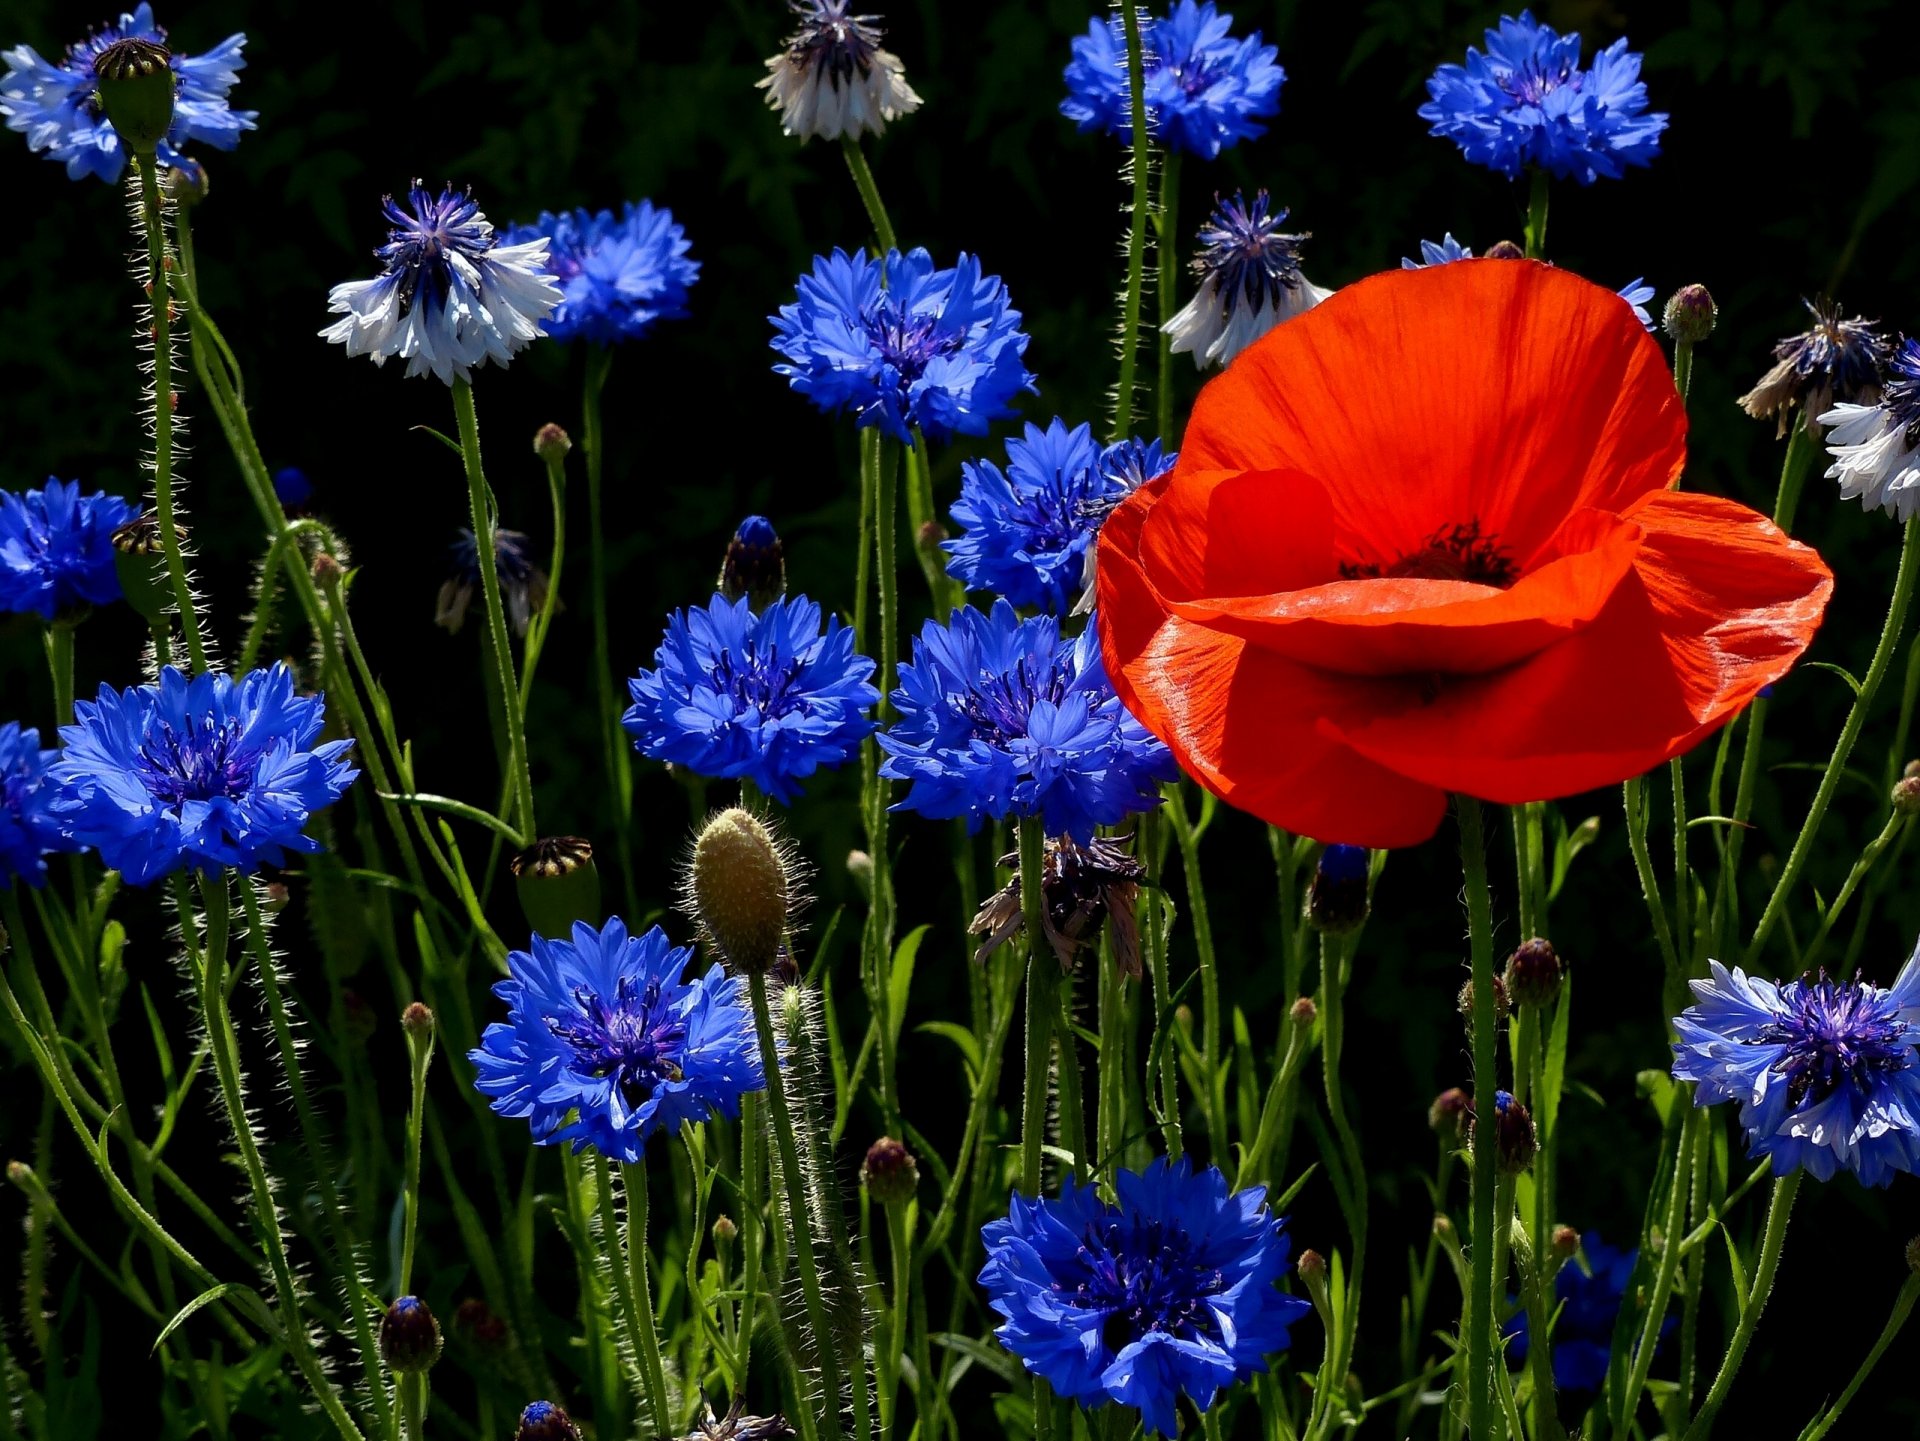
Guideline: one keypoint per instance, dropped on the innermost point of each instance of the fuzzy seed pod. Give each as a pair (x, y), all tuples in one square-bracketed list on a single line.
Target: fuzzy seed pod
[(558, 884), (136, 84), (741, 889)]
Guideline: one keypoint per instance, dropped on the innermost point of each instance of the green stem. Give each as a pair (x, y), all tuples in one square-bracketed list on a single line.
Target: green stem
[(536, 639), (1656, 1302), (1802, 447), (799, 1211), (1751, 1305), (1633, 800), (879, 931), (59, 637), (1537, 216), (1843, 748), (480, 502), (1334, 959), (900, 1247), (1139, 217), (1896, 823), (613, 745), (160, 277), (646, 1339), (753, 1185), (1073, 1113), (1166, 253), (1480, 1298), (1902, 1308), (1185, 834), (1157, 971), (413, 1403), (869, 192), (1683, 368), (1043, 979), (420, 1053)]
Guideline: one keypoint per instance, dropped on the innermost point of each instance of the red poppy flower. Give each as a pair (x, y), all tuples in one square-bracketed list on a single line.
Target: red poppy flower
[(1421, 540)]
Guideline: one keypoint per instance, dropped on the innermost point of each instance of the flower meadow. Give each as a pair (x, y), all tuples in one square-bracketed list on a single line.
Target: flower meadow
[(1072, 934)]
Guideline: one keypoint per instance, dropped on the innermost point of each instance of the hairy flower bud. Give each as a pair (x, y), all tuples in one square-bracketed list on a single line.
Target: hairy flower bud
[(755, 565), (1312, 1270), (327, 572), (409, 1336), (417, 1020), (741, 889), (1690, 314), (860, 870), (1303, 1012), (1906, 795), (187, 181), (136, 84), (558, 884), (1514, 1138), (1533, 973), (1913, 1255), (544, 1421), (1448, 1113), (1337, 895), (889, 1172), (1502, 1001), (725, 1231), (1505, 250), (1566, 1242), (551, 443)]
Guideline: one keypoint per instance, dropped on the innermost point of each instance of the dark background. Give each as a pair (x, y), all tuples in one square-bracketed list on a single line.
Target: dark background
[(1792, 165)]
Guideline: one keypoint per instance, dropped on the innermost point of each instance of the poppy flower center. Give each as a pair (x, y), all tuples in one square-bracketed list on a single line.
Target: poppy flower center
[(632, 1042), (1453, 552)]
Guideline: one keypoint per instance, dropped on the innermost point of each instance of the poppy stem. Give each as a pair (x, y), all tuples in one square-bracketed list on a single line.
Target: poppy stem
[(1139, 214), (1751, 1305), (1903, 586), (1480, 1292), (1537, 217)]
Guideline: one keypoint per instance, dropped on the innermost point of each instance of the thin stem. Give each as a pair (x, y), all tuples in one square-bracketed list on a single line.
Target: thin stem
[(880, 903), (633, 1181), (59, 639), (869, 192), (1802, 447), (1334, 957), (1537, 216), (1843, 748), (900, 1247), (1043, 979), (1751, 1306), (1633, 800), (1213, 1102), (536, 638), (1683, 367), (613, 745), (1480, 1298), (1139, 217), (1902, 1308), (1165, 253), (1656, 1302), (159, 280), (420, 1053)]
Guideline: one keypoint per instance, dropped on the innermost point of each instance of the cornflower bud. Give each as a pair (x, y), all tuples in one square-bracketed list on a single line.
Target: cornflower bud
[(1533, 973), (889, 1172), (1690, 314), (551, 443), (544, 1421), (755, 564), (409, 1336), (1337, 895)]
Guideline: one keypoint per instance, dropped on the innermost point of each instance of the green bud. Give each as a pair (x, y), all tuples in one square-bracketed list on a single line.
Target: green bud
[(741, 889), (136, 84), (557, 884), (1690, 314)]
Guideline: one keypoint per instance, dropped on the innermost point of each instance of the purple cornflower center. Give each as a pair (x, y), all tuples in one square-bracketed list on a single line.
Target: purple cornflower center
[(1837, 1033), (768, 683), (633, 1042), (1145, 1278), (426, 239), (1902, 393), (907, 342), (831, 42), (1534, 81), (998, 705), (1850, 353), (1244, 252), (203, 762)]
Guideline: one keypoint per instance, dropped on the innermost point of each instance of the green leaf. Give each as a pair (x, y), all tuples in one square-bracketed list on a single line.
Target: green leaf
[(1299, 1183), (900, 981), (204, 1299), (1553, 1075), (1841, 671), (961, 1037), (448, 441), (991, 1357)]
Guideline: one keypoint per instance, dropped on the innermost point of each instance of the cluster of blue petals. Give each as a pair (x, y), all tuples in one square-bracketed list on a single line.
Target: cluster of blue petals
[(904, 345), (1000, 716), (770, 697), (1026, 530), (196, 775), (1172, 1290), (28, 830), (618, 274), (54, 104), (607, 1040), (1827, 1073), (1527, 101), (56, 548), (1205, 90)]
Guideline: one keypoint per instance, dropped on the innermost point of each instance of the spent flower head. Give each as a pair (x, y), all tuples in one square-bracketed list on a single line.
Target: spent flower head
[(1835, 361), (1250, 281), (832, 79)]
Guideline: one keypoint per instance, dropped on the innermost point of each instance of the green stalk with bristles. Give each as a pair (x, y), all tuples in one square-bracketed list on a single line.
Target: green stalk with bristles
[(1139, 217)]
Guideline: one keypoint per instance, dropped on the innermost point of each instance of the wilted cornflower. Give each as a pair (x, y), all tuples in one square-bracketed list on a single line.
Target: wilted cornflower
[(1833, 362), (523, 584), (902, 344), (1172, 1290), (1250, 281), (617, 275), (771, 698), (1876, 448), (55, 103), (1205, 90), (56, 548), (607, 1041), (1587, 1295), (1027, 530), (1000, 716), (1827, 1073), (196, 774), (737, 1425), (1635, 292), (450, 296), (1526, 101), (1083, 887), (28, 831), (833, 79)]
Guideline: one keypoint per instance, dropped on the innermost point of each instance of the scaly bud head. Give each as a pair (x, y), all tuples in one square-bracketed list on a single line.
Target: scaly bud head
[(1533, 973), (741, 889), (1502, 1001), (725, 1231), (1448, 1114), (417, 1021), (1303, 1012), (551, 443), (558, 884), (1566, 1242), (1337, 895), (1505, 250), (890, 1173), (755, 565), (1690, 314), (1906, 795), (1514, 1138), (327, 572), (409, 1336), (136, 84), (544, 1421)]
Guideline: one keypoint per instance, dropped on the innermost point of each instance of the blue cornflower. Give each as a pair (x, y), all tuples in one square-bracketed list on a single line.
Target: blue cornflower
[(1174, 1289), (1250, 281), (1587, 1295), (1000, 716), (1876, 448), (617, 275), (196, 774), (1825, 1071), (1526, 101), (902, 344), (1636, 292), (293, 488), (54, 103), (449, 296), (523, 584), (1028, 530), (1206, 91), (607, 1041), (56, 548), (28, 832), (770, 698)]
